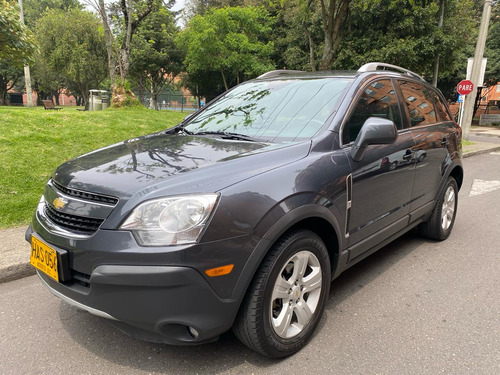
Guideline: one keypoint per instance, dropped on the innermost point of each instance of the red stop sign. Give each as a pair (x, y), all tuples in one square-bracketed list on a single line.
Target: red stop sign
[(465, 87)]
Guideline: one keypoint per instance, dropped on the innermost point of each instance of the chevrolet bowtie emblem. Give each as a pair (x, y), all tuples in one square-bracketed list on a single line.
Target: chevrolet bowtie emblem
[(59, 203)]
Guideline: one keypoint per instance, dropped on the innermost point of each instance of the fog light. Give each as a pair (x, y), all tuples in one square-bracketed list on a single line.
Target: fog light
[(193, 332)]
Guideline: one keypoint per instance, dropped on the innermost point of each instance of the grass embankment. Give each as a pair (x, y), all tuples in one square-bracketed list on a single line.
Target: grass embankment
[(33, 142)]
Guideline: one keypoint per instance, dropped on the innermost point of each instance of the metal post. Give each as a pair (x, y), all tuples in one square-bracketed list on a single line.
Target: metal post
[(476, 69), (27, 74)]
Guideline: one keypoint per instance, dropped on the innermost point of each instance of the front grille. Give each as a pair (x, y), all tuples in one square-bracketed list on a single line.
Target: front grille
[(86, 196), (72, 222), (80, 278)]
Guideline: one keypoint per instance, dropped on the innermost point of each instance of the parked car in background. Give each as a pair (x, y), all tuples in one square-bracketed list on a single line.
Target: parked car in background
[(242, 215)]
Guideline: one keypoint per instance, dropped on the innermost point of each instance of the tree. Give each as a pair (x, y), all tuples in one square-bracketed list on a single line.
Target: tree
[(133, 12), (406, 33), (492, 51), (155, 59), (17, 44), (231, 41), (75, 50), (333, 14), (34, 9), (9, 76)]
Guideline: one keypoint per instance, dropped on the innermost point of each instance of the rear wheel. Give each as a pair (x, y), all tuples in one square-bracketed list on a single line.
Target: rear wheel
[(287, 297), (440, 224)]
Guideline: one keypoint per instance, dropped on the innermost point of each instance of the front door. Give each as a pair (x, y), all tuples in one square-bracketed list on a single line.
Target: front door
[(382, 181)]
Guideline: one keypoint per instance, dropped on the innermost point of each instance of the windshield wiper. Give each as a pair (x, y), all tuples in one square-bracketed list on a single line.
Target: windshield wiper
[(180, 128), (227, 135)]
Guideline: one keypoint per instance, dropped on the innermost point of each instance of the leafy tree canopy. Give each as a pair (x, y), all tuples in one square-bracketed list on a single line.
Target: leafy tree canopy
[(155, 59), (492, 51), (34, 9), (17, 44), (231, 41), (74, 50), (406, 33)]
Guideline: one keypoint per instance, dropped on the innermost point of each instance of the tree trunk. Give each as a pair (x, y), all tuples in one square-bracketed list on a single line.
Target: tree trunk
[(5, 87), (436, 55), (108, 37), (312, 60), (224, 79), (333, 14), (3, 96)]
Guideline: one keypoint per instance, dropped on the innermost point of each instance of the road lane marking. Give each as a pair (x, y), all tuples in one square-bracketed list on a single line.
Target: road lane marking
[(482, 187)]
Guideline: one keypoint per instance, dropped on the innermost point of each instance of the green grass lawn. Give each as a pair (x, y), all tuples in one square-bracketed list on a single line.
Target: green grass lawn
[(33, 142)]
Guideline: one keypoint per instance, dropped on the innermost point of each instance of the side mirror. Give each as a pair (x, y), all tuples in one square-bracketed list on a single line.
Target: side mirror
[(375, 131)]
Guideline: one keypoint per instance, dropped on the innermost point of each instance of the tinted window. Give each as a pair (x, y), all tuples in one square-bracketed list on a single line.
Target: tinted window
[(441, 111), (378, 99), (286, 110), (420, 103)]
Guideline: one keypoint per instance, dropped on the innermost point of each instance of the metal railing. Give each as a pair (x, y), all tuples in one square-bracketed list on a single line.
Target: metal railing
[(174, 102)]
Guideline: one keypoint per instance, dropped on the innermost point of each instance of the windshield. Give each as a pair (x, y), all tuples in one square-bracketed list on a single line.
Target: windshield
[(273, 111)]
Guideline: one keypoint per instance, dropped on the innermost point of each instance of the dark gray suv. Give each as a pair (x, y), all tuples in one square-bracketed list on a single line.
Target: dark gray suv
[(242, 215)]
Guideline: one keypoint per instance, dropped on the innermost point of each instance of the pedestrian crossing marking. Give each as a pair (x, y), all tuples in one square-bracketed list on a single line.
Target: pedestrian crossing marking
[(482, 187)]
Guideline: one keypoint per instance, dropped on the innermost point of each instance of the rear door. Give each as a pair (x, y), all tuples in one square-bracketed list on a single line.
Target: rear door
[(382, 181), (434, 132)]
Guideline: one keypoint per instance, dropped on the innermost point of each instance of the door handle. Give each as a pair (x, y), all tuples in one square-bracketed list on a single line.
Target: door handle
[(444, 142), (408, 155)]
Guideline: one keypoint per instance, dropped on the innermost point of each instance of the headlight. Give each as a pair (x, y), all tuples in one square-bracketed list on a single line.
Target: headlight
[(170, 221)]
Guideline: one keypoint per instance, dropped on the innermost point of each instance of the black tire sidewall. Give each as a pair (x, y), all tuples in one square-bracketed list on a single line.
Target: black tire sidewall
[(303, 240), (442, 233)]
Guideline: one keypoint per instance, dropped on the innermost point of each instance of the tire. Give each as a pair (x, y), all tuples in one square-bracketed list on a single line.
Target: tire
[(284, 303), (440, 224)]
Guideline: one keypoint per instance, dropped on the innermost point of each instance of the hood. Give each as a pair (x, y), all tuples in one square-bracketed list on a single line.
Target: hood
[(128, 167)]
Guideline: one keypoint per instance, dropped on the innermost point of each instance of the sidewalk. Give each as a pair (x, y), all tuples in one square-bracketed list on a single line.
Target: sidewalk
[(15, 251)]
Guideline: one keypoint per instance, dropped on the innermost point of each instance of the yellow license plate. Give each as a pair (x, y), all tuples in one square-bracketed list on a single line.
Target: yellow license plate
[(44, 258)]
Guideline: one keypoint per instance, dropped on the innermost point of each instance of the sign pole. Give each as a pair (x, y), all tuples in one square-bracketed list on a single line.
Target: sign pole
[(476, 67)]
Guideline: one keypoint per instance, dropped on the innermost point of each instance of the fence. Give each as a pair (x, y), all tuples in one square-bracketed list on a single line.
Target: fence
[(174, 102)]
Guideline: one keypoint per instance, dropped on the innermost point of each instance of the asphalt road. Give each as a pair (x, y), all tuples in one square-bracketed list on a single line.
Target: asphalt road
[(414, 307)]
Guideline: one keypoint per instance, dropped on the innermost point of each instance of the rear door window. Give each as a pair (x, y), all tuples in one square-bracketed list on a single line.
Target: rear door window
[(420, 103), (442, 113)]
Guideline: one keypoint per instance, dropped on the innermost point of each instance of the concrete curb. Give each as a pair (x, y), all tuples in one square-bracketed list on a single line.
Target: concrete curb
[(14, 262), (16, 271), (479, 152)]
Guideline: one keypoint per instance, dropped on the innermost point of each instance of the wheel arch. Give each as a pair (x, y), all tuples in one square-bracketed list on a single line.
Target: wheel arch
[(314, 217), (458, 174)]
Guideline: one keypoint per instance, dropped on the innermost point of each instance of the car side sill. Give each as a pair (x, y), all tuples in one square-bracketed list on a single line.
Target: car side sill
[(369, 252)]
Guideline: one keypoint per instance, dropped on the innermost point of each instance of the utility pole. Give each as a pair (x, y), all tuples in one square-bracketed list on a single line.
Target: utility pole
[(27, 74), (476, 69)]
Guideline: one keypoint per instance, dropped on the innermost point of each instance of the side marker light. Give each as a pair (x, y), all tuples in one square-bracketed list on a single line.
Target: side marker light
[(220, 271)]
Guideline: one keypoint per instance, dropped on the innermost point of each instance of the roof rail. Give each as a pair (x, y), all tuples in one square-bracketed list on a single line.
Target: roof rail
[(278, 73), (371, 66)]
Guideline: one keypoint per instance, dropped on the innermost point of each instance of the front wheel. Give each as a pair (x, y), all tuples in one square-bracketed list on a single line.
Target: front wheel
[(287, 297), (440, 224)]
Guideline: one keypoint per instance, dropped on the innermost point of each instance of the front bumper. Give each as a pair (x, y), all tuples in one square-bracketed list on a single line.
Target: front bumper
[(155, 301), (157, 304)]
